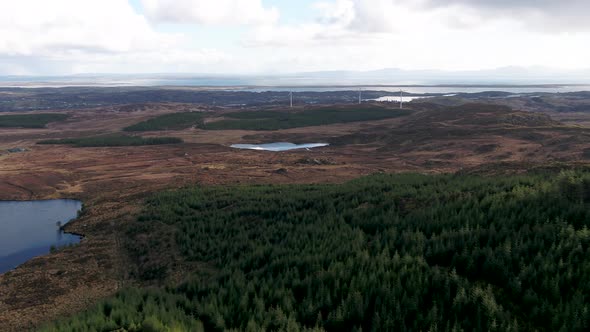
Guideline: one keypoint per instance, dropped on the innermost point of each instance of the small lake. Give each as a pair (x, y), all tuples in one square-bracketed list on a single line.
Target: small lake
[(29, 229), (279, 146), (405, 99)]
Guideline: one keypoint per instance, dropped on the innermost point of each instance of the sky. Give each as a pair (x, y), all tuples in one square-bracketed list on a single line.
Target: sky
[(64, 37)]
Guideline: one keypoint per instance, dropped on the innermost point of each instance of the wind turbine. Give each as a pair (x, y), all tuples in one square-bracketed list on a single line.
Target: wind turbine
[(291, 98), (401, 99), (360, 96)]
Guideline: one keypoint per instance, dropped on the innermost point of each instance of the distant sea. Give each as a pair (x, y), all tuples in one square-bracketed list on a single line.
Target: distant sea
[(259, 84), (439, 89)]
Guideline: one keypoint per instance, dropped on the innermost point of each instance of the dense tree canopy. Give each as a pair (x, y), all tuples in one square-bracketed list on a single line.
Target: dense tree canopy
[(39, 120), (113, 140), (274, 120), (173, 121), (381, 253)]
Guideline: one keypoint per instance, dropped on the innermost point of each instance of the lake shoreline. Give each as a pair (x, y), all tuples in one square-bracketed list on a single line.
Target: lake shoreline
[(44, 223), (278, 146)]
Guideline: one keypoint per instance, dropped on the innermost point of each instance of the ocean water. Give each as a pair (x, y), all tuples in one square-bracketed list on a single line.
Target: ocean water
[(259, 84)]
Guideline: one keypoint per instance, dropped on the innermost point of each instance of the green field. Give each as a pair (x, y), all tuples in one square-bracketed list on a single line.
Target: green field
[(382, 253), (270, 120), (30, 120), (113, 140), (175, 121)]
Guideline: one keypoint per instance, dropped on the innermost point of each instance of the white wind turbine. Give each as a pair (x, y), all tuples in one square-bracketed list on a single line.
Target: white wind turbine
[(360, 96)]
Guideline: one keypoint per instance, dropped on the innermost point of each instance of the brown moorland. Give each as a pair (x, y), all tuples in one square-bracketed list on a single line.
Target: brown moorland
[(113, 181)]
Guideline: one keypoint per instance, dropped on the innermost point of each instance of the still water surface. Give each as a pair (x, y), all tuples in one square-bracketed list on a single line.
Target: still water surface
[(279, 146), (30, 228)]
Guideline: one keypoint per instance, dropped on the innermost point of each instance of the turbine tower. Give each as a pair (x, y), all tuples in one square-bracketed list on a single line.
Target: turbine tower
[(291, 98), (401, 99), (360, 96)]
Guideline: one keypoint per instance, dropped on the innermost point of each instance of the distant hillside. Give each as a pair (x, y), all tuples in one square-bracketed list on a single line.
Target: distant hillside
[(481, 115)]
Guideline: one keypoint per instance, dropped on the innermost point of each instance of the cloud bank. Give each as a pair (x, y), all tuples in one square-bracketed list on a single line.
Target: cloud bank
[(73, 36), (550, 16), (252, 36)]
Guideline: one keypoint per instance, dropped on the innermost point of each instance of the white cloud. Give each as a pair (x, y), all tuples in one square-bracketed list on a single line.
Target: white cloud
[(78, 36), (548, 16), (210, 12), (350, 22), (366, 35), (31, 27), (374, 16), (73, 36)]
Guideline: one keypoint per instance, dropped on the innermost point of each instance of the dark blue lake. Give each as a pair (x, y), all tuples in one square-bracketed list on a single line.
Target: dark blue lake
[(29, 229)]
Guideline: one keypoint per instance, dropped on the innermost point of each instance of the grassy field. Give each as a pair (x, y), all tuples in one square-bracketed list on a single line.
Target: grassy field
[(270, 120), (113, 140), (30, 120), (175, 121)]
